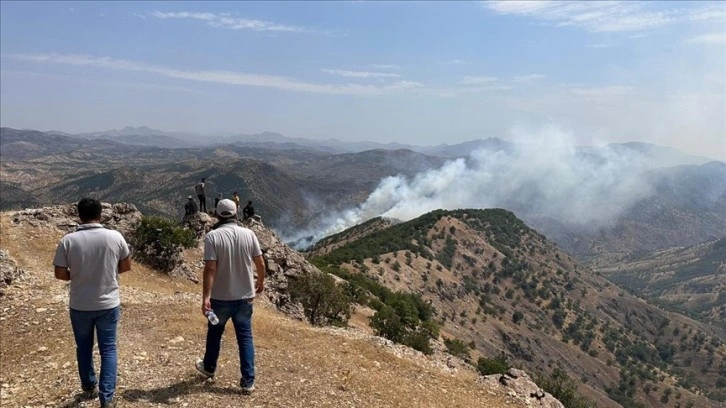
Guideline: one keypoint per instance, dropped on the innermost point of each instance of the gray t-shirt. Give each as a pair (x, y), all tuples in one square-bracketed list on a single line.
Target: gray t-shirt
[(232, 247), (92, 254)]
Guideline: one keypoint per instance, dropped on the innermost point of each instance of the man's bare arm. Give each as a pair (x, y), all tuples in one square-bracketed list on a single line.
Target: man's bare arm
[(62, 273), (260, 265), (124, 265), (210, 271)]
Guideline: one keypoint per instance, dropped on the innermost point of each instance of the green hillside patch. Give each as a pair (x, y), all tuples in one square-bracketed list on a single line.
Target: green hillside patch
[(503, 229)]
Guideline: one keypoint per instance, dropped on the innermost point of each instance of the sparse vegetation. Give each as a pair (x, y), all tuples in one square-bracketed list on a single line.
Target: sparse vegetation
[(496, 365), (564, 388), (158, 242), (323, 301), (457, 348)]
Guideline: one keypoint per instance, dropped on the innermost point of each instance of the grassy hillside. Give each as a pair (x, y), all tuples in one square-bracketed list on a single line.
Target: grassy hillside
[(499, 285), (690, 280), (162, 332)]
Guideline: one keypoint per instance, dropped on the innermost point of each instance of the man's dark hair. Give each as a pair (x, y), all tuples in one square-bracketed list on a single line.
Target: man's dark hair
[(249, 202), (203, 179), (89, 209)]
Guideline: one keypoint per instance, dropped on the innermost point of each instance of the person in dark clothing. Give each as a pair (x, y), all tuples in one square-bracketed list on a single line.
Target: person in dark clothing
[(248, 211), (202, 197), (190, 207), (216, 201)]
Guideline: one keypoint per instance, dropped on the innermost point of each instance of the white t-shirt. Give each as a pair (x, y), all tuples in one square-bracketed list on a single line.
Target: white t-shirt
[(92, 254), (232, 247)]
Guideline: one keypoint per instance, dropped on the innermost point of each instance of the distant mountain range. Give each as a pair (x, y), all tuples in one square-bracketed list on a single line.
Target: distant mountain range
[(654, 155), (300, 187)]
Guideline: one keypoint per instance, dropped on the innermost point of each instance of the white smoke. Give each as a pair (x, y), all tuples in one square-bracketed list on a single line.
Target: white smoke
[(544, 175)]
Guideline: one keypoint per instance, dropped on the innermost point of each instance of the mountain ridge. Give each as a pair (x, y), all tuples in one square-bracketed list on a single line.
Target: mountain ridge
[(503, 286)]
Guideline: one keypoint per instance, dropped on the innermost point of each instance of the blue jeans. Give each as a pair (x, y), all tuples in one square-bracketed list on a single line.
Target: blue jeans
[(241, 313), (105, 323)]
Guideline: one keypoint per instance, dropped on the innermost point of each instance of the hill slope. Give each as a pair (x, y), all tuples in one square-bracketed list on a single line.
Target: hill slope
[(162, 332), (503, 286), (691, 280)]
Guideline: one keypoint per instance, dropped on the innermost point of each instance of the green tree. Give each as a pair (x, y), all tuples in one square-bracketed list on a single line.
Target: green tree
[(158, 242), (323, 301), (496, 365)]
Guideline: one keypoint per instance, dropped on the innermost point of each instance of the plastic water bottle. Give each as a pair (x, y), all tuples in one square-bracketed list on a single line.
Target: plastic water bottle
[(212, 317)]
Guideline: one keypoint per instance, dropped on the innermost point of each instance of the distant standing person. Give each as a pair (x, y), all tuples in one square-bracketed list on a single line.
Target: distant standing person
[(230, 251), (189, 207), (91, 259), (248, 211), (216, 200), (202, 197), (235, 197)]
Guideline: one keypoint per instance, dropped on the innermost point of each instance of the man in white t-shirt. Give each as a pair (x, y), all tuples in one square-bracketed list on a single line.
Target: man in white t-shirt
[(91, 259), (231, 255)]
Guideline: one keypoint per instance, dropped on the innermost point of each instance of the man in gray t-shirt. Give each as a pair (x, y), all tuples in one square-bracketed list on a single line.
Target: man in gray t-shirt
[(231, 255), (91, 259)]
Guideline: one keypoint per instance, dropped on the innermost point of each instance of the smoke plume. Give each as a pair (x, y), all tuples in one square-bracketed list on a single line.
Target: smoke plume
[(544, 175)]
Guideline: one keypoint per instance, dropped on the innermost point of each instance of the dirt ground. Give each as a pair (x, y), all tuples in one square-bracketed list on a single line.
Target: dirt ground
[(162, 332)]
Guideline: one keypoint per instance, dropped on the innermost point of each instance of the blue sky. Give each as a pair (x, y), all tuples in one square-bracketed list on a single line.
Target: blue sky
[(422, 73)]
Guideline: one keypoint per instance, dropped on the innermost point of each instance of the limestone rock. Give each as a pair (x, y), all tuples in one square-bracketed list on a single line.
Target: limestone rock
[(122, 217), (9, 271), (199, 222), (518, 384)]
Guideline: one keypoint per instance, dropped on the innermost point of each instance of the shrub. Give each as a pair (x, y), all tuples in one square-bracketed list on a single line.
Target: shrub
[(517, 317), (158, 242), (323, 301), (457, 348), (496, 365), (562, 387)]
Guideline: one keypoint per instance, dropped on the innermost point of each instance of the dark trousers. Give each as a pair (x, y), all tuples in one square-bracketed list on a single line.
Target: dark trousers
[(202, 202)]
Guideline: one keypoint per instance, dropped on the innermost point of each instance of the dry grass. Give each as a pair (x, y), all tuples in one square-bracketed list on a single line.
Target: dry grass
[(162, 332)]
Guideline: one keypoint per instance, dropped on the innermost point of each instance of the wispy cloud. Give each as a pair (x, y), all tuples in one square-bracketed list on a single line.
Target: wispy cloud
[(385, 66), (528, 78), (229, 21), (717, 38), (601, 91), (600, 45), (222, 77), (141, 85), (606, 16), (477, 80), (360, 74)]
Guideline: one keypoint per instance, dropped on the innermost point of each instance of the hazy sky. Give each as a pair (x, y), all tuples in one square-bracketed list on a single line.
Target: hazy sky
[(420, 73)]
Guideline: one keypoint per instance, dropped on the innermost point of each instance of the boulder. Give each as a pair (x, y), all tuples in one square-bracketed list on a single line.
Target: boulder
[(122, 217), (199, 222), (516, 383), (9, 271)]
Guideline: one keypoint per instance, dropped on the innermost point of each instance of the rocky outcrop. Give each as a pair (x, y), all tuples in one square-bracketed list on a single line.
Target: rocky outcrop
[(199, 222), (122, 217), (9, 271), (519, 385), (282, 263)]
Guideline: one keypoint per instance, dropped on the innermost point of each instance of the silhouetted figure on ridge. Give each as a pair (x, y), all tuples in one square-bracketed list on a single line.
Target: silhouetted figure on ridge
[(248, 211), (190, 207), (199, 188)]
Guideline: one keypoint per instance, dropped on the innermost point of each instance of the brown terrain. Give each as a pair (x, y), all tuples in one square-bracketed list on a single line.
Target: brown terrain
[(162, 333), (607, 338)]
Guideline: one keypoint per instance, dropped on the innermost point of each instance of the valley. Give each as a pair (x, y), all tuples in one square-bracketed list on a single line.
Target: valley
[(630, 306)]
